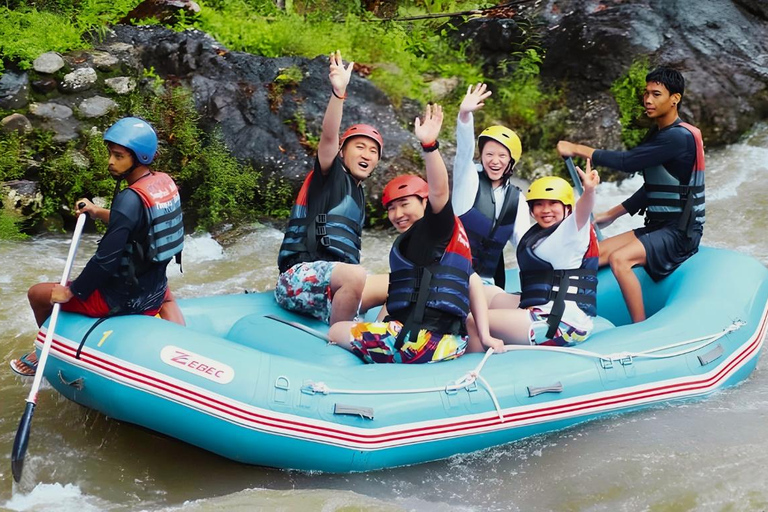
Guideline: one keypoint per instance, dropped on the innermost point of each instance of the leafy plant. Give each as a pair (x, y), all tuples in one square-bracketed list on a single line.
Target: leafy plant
[(628, 90)]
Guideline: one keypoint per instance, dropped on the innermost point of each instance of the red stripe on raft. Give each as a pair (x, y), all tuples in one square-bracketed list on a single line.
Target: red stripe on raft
[(489, 421)]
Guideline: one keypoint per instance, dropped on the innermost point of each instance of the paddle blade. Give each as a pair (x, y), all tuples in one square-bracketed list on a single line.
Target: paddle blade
[(21, 441)]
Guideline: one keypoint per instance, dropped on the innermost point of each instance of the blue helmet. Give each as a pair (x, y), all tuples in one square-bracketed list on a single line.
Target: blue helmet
[(136, 135)]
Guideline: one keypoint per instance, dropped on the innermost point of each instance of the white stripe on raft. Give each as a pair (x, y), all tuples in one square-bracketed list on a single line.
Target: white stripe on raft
[(299, 427)]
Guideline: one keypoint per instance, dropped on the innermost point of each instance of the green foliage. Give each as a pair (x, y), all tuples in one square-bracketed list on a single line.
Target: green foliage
[(9, 227), (28, 29), (78, 171), (628, 92), (13, 154)]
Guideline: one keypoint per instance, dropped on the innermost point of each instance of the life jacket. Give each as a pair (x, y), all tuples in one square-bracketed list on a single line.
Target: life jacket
[(318, 230), (541, 283), (487, 234), (162, 241), (443, 285), (670, 200)]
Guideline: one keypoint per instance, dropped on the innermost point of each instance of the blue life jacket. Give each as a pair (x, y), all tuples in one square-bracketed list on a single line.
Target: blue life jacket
[(540, 283), (320, 231), (487, 234), (670, 200), (442, 286)]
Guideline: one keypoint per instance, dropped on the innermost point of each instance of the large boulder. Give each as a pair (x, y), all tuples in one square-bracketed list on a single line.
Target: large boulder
[(266, 109), (720, 46)]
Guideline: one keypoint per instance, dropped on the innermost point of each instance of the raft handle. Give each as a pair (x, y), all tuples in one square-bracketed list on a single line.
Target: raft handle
[(710, 356), (282, 382), (77, 383), (606, 363), (353, 410), (557, 387)]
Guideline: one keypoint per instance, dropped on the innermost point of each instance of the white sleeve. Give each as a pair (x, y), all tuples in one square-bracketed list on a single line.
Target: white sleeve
[(522, 220), (565, 247), (465, 178)]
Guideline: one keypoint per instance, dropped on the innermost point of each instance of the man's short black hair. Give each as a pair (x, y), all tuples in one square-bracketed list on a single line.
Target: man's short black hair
[(670, 78)]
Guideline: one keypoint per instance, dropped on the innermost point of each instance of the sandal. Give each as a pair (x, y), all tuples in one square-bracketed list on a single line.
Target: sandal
[(24, 365)]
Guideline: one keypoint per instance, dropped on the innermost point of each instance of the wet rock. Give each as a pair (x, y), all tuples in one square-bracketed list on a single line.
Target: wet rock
[(14, 90), (16, 122), (442, 87), (104, 61), (163, 10), (50, 110), (96, 106), (121, 84), (48, 63), (79, 80), (45, 85), (22, 197)]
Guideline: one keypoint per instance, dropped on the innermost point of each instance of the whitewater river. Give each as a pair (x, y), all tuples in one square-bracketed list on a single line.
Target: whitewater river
[(705, 455)]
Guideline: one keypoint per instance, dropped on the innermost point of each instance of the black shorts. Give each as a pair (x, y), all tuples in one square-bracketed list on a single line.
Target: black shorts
[(666, 248)]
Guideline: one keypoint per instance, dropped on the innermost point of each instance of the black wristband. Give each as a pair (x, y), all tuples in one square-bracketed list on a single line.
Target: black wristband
[(431, 147), (343, 97)]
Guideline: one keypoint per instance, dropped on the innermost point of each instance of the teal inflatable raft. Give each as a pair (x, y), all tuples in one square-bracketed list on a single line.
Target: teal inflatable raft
[(242, 383)]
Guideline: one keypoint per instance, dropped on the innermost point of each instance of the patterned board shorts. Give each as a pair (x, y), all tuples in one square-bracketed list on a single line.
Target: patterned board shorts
[(306, 288), (374, 342), (566, 334)]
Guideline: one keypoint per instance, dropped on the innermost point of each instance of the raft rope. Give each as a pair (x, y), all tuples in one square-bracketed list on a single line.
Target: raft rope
[(473, 376), (465, 381), (648, 354)]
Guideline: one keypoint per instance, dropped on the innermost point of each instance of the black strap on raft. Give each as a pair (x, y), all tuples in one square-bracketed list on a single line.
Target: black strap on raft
[(116, 311), (416, 315)]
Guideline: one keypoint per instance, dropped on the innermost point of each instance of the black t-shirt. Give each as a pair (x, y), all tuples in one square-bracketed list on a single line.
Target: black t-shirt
[(127, 219), (423, 244)]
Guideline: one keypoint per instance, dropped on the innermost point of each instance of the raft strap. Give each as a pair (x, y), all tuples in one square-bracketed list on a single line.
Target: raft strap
[(557, 387), (354, 410)]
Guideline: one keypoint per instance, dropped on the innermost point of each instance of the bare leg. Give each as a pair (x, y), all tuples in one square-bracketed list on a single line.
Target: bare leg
[(622, 260), (504, 301), (347, 284), (614, 243), (375, 291), (491, 291), (511, 325), (340, 334), (170, 309), (39, 297)]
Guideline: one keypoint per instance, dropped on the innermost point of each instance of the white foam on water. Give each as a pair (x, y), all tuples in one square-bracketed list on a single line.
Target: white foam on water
[(55, 498)]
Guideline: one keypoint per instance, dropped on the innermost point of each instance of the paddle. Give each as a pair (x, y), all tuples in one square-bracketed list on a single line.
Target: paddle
[(308, 330), (22, 434), (580, 190)]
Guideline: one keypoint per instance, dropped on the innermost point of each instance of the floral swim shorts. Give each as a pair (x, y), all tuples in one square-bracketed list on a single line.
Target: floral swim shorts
[(566, 334), (375, 342), (306, 288)]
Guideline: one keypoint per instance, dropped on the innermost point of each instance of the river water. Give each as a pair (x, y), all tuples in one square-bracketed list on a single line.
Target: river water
[(705, 455)]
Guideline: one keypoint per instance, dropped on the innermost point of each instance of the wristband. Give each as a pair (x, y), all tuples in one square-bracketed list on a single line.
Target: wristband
[(342, 97), (428, 148)]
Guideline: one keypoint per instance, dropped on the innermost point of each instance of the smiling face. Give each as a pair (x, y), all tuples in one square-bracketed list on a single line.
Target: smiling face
[(403, 212), (659, 104), (360, 156), (547, 212), (495, 159)]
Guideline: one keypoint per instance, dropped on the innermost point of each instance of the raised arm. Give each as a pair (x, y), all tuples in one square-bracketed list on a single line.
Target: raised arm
[(586, 202), (465, 175), (437, 174), (328, 147)]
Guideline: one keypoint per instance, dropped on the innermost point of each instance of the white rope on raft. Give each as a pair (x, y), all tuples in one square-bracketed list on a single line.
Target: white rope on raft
[(473, 376)]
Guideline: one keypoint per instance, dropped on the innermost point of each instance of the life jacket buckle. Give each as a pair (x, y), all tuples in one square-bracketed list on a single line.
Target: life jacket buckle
[(321, 218), (325, 241), (320, 231)]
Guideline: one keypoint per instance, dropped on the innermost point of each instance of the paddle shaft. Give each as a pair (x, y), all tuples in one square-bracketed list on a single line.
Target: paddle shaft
[(580, 190), (22, 434)]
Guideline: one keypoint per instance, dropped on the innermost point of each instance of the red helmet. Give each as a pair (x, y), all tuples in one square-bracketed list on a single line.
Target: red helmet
[(363, 130), (404, 186)]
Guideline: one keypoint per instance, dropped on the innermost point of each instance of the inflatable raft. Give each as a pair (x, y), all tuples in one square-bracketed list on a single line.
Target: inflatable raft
[(254, 383)]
